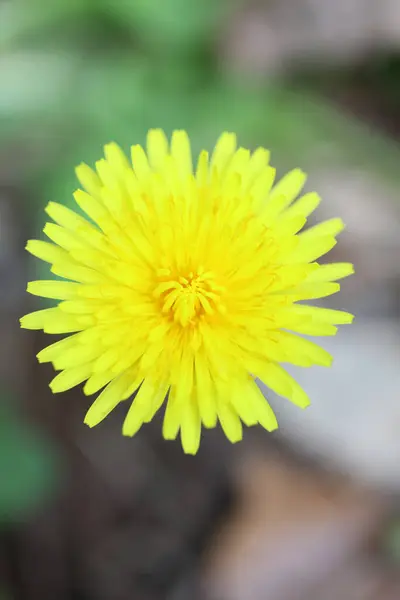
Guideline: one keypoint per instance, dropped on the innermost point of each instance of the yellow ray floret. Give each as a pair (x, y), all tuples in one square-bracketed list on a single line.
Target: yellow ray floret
[(181, 286)]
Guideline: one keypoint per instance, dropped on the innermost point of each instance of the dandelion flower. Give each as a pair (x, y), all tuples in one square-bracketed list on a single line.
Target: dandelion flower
[(181, 286)]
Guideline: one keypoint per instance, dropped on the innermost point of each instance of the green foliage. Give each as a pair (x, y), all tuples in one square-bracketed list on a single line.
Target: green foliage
[(392, 541), (111, 69), (170, 25), (159, 25), (27, 465)]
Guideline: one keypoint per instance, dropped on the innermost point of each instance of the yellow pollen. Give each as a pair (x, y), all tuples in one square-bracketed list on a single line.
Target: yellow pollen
[(188, 298)]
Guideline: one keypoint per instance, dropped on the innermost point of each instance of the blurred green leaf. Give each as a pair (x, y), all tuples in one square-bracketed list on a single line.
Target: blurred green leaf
[(77, 102), (24, 96), (392, 541), (170, 25), (27, 21), (27, 466), (120, 100)]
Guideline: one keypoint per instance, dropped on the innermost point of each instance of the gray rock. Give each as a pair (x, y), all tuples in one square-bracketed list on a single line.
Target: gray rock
[(353, 422)]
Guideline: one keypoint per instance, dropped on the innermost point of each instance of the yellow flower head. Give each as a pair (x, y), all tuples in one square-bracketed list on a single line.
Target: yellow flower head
[(183, 286)]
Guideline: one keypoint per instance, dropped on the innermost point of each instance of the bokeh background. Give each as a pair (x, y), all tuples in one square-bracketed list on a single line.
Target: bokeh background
[(311, 512)]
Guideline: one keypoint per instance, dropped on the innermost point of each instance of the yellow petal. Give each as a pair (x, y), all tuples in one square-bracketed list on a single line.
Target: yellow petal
[(230, 421), (202, 169), (77, 307), (97, 381), (181, 153), (62, 237), (147, 401), (109, 398), (70, 378), (92, 206), (116, 159), (51, 352), (331, 272), (205, 392), (312, 291), (262, 410), (313, 328), (283, 384), (304, 206), (140, 163), (237, 165), (288, 276), (224, 151), (239, 398), (289, 226), (107, 360), (51, 320), (309, 249), (89, 179), (159, 398), (65, 324), (137, 381), (110, 180), (69, 269), (331, 227), (299, 349), (323, 315), (157, 147), (190, 427), (171, 423), (65, 217), (59, 290), (261, 187), (284, 192), (48, 252), (258, 164), (35, 320), (79, 354)]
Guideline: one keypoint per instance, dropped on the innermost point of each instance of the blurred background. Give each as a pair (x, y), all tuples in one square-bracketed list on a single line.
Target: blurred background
[(311, 512)]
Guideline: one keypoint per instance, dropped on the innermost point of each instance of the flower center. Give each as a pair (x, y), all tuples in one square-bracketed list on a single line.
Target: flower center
[(189, 297)]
